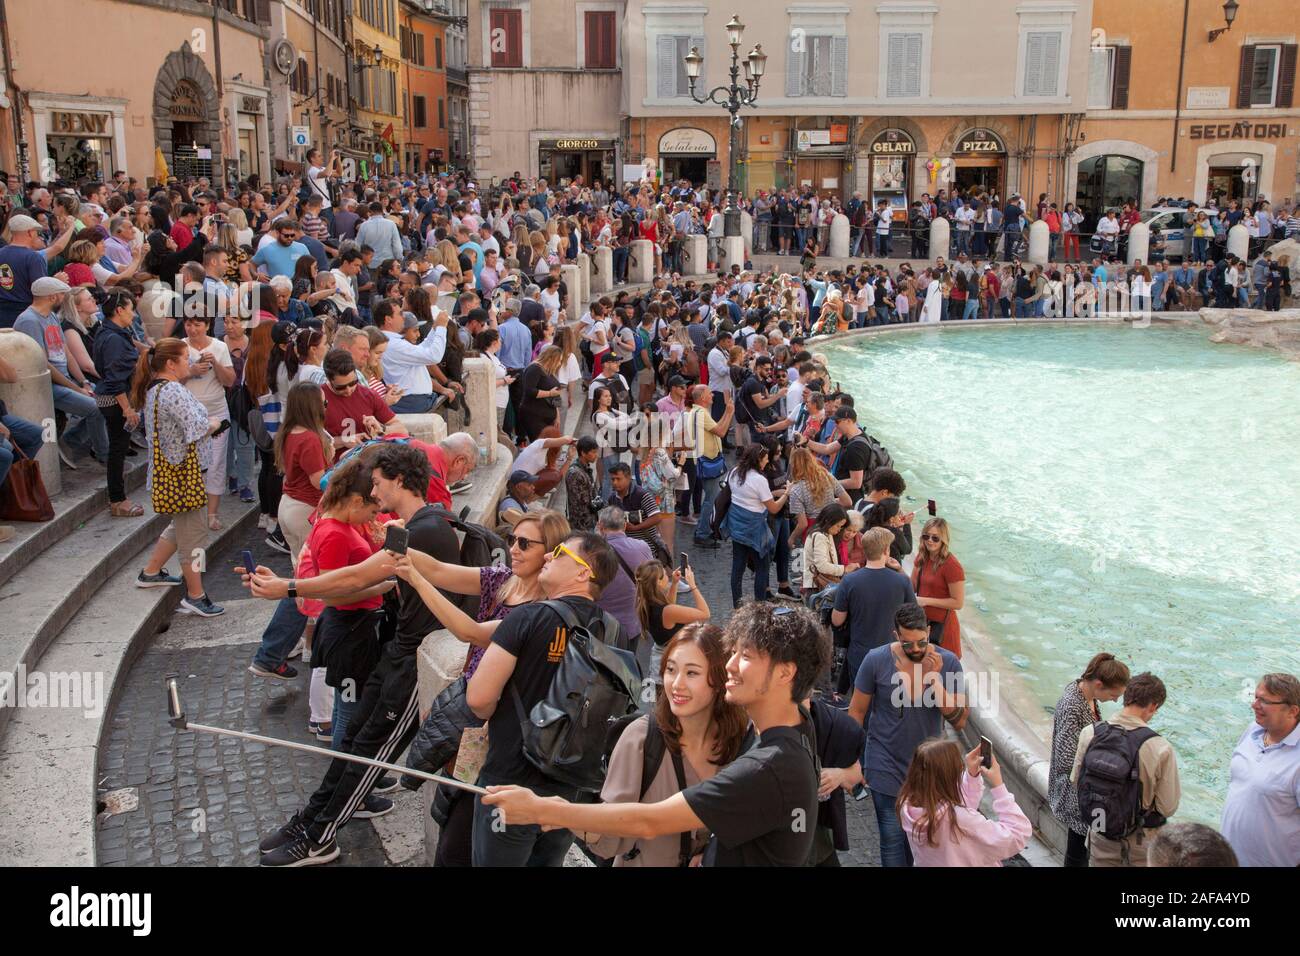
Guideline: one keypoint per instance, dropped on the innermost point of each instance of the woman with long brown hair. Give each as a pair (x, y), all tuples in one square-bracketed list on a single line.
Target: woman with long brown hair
[(812, 488), (939, 809), (939, 582), (538, 254), (541, 394), (303, 451), (657, 608), (176, 428), (699, 734)]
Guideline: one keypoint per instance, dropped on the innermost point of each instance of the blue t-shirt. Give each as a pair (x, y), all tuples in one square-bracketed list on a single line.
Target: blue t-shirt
[(477, 251), (19, 268), (896, 726), (46, 331), (872, 596), (278, 259)]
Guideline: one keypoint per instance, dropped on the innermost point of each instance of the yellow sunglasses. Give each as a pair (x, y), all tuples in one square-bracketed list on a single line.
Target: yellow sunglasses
[(561, 549)]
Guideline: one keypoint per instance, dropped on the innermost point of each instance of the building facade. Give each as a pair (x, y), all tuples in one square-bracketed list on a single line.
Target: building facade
[(184, 76), (308, 65), (545, 88), (377, 132), (457, 51), (1228, 130), (424, 60)]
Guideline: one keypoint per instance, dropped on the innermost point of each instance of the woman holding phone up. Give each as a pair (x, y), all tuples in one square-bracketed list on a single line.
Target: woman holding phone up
[(657, 608)]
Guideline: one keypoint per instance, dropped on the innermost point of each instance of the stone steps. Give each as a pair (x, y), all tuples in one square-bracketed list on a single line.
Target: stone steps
[(48, 754)]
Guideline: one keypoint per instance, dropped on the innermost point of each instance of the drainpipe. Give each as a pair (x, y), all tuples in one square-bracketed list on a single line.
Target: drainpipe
[(220, 176), (16, 98), (1178, 91)]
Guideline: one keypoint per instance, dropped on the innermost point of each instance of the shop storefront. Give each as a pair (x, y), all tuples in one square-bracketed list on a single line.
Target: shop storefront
[(979, 160), (79, 139), (820, 153), (592, 159), (187, 121), (685, 153), (1236, 160), (250, 135), (890, 164)]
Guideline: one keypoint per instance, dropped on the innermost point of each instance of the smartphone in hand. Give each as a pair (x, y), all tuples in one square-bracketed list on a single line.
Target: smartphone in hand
[(395, 539), (986, 753), (684, 562), (931, 507), (249, 564)]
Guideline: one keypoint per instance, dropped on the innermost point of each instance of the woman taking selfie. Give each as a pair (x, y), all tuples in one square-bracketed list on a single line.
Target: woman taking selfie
[(939, 582), (698, 733), (939, 809), (822, 569), (752, 544), (657, 608), (1104, 679)]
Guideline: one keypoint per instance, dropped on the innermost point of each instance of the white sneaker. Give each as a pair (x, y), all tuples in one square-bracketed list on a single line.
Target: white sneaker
[(298, 649)]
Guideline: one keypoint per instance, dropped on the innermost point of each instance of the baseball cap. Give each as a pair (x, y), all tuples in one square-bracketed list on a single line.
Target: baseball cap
[(409, 321), (477, 315), (521, 476), (48, 285), (22, 224), (677, 382)]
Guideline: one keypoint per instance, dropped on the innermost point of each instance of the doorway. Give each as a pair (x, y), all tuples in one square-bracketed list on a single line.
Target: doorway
[(1226, 183), (693, 169), (985, 177)]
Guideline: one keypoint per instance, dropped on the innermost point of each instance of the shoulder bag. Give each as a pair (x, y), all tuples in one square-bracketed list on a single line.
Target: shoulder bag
[(176, 488)]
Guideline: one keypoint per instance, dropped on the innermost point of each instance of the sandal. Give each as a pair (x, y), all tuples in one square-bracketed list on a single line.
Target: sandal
[(214, 523), (125, 509)]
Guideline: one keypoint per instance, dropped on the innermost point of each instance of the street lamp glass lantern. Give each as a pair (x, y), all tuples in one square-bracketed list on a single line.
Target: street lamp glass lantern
[(694, 62), (378, 53), (756, 61), (1230, 11), (734, 30)]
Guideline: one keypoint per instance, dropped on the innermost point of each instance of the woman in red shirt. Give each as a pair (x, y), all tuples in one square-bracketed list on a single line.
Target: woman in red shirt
[(303, 450), (940, 585)]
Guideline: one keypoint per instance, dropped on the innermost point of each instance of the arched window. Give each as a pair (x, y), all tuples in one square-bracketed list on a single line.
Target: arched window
[(1108, 181)]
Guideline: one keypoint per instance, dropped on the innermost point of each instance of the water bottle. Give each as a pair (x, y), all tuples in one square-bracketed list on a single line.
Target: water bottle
[(482, 450)]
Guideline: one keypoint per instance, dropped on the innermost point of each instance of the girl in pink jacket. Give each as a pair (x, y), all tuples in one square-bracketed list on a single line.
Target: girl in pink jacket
[(939, 809)]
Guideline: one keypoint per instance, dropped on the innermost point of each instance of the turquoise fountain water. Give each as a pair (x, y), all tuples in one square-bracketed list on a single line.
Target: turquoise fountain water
[(1109, 488)]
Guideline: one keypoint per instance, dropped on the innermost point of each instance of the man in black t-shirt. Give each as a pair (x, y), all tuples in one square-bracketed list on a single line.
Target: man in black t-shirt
[(525, 652), (851, 462), (386, 716), (762, 807), (754, 398)]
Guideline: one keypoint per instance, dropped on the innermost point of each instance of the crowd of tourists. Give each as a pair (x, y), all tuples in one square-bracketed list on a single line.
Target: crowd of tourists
[(264, 343)]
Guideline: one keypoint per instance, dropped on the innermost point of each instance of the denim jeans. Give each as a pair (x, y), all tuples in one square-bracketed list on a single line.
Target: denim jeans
[(739, 559), (413, 404), (1022, 308), (22, 433), (858, 233), (782, 532), (972, 308), (240, 452), (619, 263), (504, 844), (343, 713), (962, 237), (708, 490), (91, 433), (281, 634), (894, 850)]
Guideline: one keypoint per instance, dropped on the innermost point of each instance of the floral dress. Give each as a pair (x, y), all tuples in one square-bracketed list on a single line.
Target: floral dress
[(1073, 713)]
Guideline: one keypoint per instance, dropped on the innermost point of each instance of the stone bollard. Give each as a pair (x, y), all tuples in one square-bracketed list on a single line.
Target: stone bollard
[(731, 252), (584, 273), (602, 271), (695, 256), (480, 396), (641, 262), (1239, 241), (1139, 242), (747, 233), (572, 280), (938, 238), (1040, 242), (428, 427), (32, 398), (838, 247)]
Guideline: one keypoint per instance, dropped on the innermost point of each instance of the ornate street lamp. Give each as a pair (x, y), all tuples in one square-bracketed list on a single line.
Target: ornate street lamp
[(1229, 14), (731, 97)]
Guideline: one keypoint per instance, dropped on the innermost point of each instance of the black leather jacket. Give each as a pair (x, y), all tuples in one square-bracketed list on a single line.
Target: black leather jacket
[(439, 736)]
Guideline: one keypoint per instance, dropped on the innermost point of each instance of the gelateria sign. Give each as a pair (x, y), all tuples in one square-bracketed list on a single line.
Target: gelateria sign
[(687, 141), (1243, 130), (80, 124)]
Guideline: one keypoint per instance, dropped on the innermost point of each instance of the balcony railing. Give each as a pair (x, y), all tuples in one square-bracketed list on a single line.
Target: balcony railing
[(457, 74)]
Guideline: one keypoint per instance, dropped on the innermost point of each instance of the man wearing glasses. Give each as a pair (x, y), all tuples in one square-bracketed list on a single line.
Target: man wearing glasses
[(1261, 817), (515, 673), (277, 258), (909, 688), (353, 412)]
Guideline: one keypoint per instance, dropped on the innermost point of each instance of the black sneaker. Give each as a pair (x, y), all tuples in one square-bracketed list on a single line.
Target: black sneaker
[(302, 852), (201, 606), (283, 672), (291, 832), (276, 540), (386, 783), (460, 487), (160, 580), (372, 807)]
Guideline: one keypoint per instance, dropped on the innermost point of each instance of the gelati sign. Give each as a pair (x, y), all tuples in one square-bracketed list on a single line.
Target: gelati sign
[(893, 142), (1242, 130)]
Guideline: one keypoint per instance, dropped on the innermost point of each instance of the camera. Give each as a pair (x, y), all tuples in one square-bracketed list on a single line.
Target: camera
[(597, 504)]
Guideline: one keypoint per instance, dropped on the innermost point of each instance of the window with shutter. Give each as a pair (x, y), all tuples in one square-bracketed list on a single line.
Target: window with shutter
[(506, 36), (1042, 64), (1286, 76), (1263, 75), (598, 29), (904, 76), (1101, 64), (795, 69), (665, 66), (1123, 65), (817, 66), (839, 66)]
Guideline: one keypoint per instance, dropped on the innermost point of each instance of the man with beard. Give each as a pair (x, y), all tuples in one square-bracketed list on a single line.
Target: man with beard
[(909, 689)]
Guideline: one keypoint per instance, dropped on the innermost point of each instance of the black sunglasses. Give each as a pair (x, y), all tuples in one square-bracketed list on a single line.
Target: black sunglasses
[(524, 543), (931, 537)]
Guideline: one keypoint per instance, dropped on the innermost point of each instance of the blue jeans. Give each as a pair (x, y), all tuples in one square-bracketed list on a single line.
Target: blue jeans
[(517, 845), (343, 712), (782, 532), (281, 634), (22, 433), (739, 559), (972, 308), (858, 233), (1022, 309), (962, 237), (240, 452), (894, 850), (619, 263), (414, 404), (708, 489), (91, 432)]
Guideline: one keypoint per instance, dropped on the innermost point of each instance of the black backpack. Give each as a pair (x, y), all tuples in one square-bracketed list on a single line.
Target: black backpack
[(652, 757), (878, 455), (479, 547), (1110, 791), (595, 685)]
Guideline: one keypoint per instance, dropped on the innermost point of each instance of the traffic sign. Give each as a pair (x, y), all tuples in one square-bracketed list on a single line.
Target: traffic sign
[(300, 135)]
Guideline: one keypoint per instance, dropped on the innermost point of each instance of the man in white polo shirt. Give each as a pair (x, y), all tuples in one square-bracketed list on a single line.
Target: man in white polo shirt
[(406, 364)]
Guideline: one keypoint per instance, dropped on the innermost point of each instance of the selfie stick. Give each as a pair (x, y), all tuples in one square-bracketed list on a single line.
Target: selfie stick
[(176, 717)]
